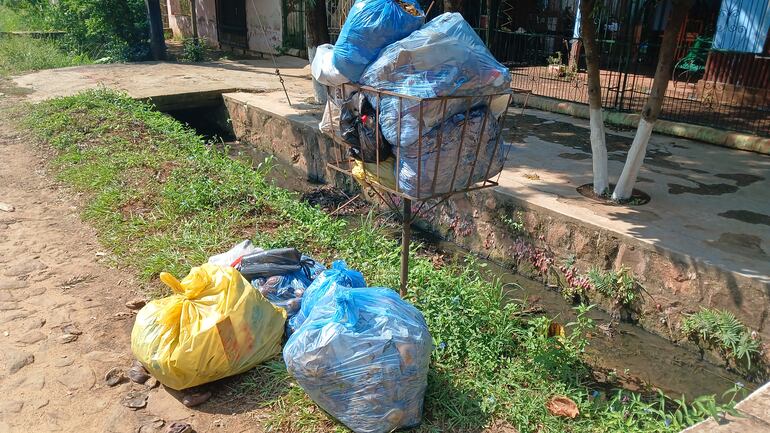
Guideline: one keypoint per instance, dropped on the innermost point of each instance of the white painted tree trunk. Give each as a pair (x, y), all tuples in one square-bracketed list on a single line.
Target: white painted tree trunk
[(319, 90), (599, 151), (634, 161)]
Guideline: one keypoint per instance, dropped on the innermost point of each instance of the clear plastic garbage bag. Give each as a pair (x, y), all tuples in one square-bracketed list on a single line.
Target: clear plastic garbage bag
[(214, 325), (339, 274), (323, 69), (459, 164), (444, 58), (286, 291), (363, 356), (370, 26)]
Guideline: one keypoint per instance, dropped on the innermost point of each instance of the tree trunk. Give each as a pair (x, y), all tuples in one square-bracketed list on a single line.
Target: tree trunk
[(194, 21), (598, 143), (453, 6), (651, 110), (157, 40), (317, 34)]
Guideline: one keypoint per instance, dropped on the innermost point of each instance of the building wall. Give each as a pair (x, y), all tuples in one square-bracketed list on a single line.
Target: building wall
[(178, 22), (206, 11), (269, 12)]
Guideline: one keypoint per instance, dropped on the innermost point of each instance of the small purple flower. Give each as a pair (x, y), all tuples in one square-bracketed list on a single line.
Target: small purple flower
[(740, 384), (595, 394), (442, 346), (668, 421), (456, 300)]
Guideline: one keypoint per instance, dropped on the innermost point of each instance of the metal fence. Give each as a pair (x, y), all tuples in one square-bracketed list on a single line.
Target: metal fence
[(727, 90)]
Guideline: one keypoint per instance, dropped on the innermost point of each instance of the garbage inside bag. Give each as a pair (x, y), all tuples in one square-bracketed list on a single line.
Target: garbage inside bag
[(232, 256), (366, 173), (358, 121), (370, 26), (286, 291), (271, 262), (213, 326), (363, 356), (338, 275), (323, 69), (467, 155), (445, 57)]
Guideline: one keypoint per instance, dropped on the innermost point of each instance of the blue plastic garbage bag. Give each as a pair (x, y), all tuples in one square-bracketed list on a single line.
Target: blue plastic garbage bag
[(460, 162), (286, 291), (339, 274), (444, 58), (363, 357), (370, 26)]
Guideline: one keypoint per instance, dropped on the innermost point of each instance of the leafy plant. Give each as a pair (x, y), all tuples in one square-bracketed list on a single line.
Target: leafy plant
[(620, 285), (193, 50), (515, 223), (722, 331)]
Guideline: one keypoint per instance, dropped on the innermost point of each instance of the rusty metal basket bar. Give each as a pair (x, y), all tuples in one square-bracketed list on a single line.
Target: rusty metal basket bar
[(343, 163)]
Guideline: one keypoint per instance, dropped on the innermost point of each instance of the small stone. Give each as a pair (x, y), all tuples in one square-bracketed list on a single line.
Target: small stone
[(122, 315), (36, 323), (63, 362), (12, 284), (10, 406), (31, 337), (152, 383), (67, 338), (180, 427), (5, 207), (196, 399), (77, 378), (136, 304), (9, 306), (135, 400), (43, 402), (34, 383), (71, 329), (20, 361), (24, 268), (151, 425), (138, 374), (114, 376)]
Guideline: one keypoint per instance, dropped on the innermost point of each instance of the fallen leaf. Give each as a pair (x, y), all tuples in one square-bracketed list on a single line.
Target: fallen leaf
[(560, 405)]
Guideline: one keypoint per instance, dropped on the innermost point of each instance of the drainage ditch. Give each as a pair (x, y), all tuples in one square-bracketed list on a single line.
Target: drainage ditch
[(630, 356)]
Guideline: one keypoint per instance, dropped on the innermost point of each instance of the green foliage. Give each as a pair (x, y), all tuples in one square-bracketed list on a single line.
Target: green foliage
[(163, 199), (620, 286), (16, 18), (193, 50), (115, 30), (722, 331), (19, 54), (514, 223)]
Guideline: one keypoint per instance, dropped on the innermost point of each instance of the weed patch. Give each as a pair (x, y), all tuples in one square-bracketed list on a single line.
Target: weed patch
[(164, 200)]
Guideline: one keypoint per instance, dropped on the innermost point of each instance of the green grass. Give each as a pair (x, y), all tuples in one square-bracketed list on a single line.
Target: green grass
[(19, 19), (20, 54), (163, 200)]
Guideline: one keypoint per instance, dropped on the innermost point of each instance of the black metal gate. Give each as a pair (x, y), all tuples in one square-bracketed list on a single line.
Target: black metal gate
[(294, 24), (231, 23)]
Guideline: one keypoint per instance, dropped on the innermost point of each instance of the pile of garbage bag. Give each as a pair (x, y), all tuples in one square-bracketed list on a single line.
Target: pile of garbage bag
[(443, 58), (363, 356), (214, 325), (361, 353)]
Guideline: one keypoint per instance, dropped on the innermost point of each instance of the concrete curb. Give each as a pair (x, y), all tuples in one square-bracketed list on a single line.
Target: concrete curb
[(719, 137)]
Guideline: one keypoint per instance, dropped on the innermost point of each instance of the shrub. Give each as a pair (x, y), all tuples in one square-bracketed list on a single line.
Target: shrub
[(723, 332)]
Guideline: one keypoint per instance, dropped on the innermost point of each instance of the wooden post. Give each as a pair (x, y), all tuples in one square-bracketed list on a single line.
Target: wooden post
[(157, 39), (406, 235)]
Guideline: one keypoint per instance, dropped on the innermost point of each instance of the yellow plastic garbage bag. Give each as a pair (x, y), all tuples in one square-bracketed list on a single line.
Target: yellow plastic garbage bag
[(214, 325)]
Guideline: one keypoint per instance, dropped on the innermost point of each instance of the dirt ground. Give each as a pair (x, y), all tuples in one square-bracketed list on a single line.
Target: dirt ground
[(63, 316)]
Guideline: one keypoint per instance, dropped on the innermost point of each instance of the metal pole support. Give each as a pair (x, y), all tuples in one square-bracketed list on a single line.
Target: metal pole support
[(406, 235)]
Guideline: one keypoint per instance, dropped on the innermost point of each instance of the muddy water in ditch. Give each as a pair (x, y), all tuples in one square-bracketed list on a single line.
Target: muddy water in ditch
[(635, 354)]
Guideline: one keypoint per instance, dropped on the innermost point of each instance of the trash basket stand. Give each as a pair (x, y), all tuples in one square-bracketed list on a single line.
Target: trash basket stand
[(343, 163)]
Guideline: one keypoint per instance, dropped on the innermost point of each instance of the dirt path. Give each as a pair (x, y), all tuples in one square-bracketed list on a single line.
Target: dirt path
[(63, 318)]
